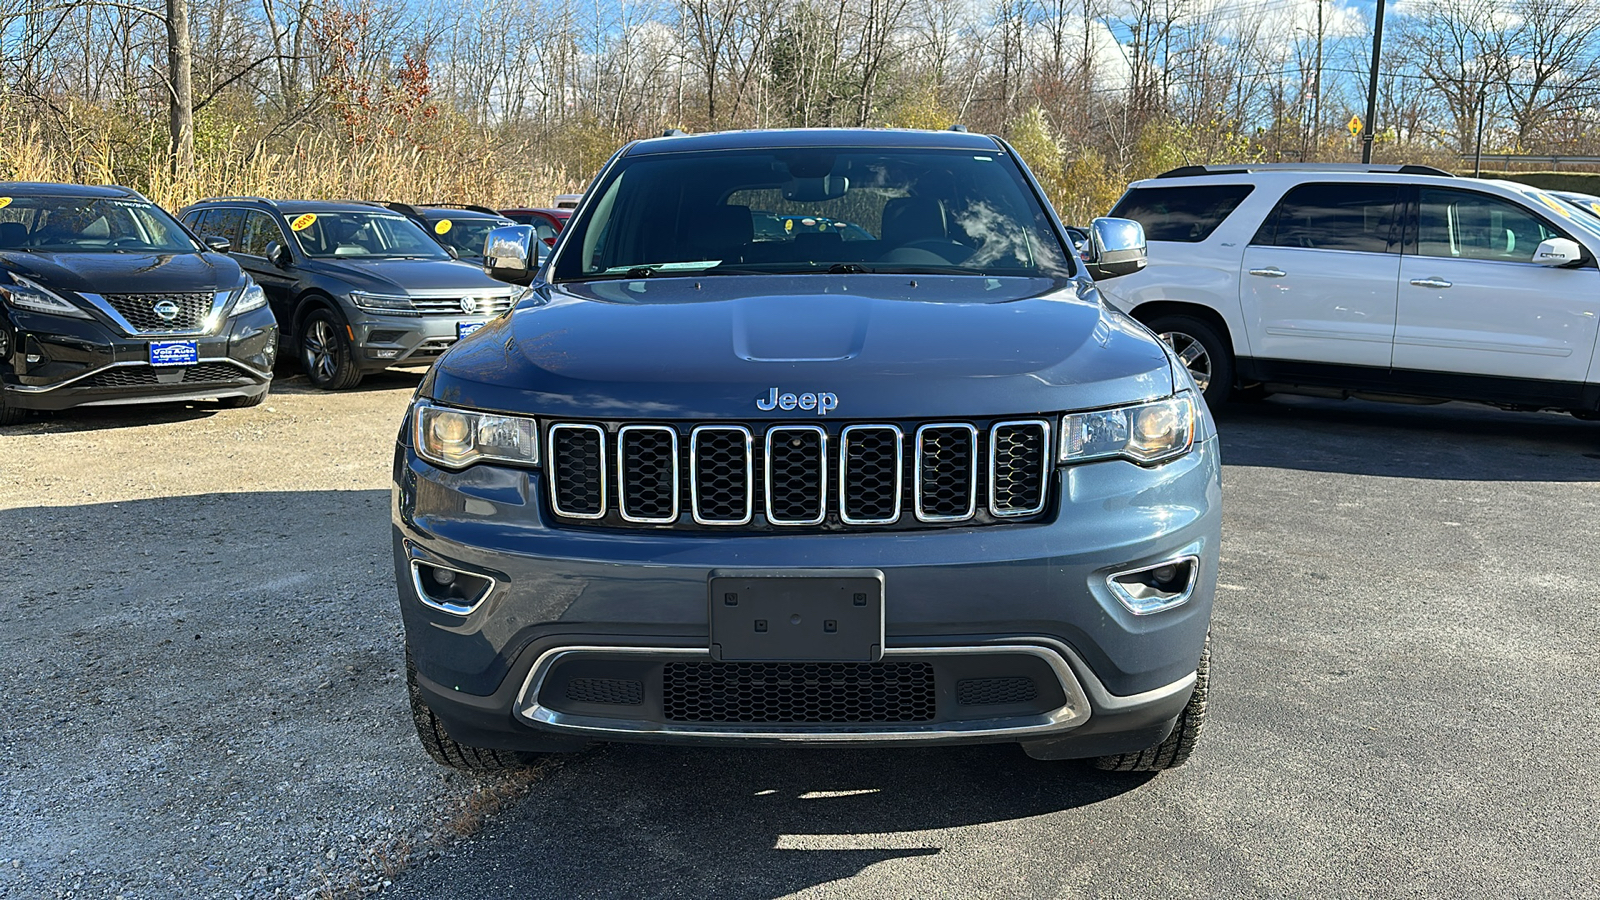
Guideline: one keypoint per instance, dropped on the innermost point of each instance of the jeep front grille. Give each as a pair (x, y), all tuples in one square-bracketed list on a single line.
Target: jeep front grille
[(188, 311), (822, 477)]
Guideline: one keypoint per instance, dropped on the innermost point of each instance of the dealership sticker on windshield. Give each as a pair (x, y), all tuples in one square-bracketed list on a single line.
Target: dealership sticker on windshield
[(443, 227), (174, 353), (301, 223)]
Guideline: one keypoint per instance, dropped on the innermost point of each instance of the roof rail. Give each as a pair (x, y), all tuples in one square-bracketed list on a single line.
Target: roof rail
[(467, 206), (958, 127), (1246, 168), (674, 132), (240, 197)]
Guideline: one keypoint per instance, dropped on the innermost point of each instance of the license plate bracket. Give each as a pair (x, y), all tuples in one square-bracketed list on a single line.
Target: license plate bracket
[(465, 328), (796, 615), (174, 353)]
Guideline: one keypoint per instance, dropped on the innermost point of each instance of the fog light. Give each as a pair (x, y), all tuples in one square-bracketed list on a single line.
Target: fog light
[(1152, 589), (450, 590), (386, 354)]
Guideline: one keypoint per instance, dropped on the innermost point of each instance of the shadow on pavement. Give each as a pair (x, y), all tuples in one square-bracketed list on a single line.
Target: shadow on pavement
[(1453, 441), (640, 821)]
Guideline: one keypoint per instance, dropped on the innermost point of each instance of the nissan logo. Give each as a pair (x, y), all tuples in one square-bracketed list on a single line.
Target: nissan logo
[(167, 310), (469, 305)]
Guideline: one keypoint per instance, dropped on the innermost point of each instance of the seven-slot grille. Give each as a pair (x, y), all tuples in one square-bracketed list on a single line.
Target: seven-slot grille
[(139, 310), (796, 475), (454, 306)]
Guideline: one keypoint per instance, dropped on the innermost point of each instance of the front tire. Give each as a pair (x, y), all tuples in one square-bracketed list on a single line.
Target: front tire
[(1203, 351), (242, 402), (326, 353), (1175, 750), (445, 750), (10, 415)]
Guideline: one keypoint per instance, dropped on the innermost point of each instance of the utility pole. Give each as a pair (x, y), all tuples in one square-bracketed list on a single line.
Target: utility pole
[(1367, 130), (1477, 156), (1311, 148)]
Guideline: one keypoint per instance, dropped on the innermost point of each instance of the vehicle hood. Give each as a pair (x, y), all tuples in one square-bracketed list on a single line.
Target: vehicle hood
[(403, 276), (887, 346), (126, 273)]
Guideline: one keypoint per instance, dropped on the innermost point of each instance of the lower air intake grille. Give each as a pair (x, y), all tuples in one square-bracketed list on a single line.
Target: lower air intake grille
[(617, 691), (124, 376), (211, 372), (798, 692), (993, 691)]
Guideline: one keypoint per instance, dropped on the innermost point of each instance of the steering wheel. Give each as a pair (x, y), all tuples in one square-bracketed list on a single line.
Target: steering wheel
[(952, 252)]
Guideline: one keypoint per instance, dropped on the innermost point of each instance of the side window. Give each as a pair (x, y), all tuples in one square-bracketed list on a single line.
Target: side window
[(192, 219), (1343, 216), (1466, 225), (224, 223), (544, 231), (259, 231), (1183, 214)]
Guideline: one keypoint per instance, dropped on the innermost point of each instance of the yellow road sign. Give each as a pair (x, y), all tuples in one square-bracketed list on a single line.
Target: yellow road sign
[(1354, 126)]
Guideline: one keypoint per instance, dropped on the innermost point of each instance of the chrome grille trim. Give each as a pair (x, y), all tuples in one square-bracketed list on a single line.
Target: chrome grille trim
[(822, 472), (450, 304), (749, 475), (844, 474), (208, 323), (972, 476), (622, 475), (1045, 450), (553, 461)]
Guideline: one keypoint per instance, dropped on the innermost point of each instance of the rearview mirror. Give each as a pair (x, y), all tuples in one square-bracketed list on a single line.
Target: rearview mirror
[(815, 190), (509, 255), (1116, 247), (1558, 252)]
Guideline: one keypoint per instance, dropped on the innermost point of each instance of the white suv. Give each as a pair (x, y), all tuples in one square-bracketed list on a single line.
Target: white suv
[(1385, 282)]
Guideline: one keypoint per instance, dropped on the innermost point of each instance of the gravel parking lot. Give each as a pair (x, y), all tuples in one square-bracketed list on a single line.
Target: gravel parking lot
[(204, 692)]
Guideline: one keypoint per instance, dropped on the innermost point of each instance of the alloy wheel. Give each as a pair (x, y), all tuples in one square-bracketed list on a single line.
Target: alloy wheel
[(1193, 354), (321, 350)]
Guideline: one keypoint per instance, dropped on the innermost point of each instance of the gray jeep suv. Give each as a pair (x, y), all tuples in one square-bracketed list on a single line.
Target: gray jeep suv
[(717, 484)]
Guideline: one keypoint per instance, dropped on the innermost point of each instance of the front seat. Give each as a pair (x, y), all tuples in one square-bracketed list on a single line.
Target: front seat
[(907, 219)]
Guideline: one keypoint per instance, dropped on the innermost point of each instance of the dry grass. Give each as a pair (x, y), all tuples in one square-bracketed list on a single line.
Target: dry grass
[(313, 167)]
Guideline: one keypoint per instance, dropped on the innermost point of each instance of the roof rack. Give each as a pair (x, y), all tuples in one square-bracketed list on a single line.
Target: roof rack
[(240, 197), (467, 206), (1246, 168)]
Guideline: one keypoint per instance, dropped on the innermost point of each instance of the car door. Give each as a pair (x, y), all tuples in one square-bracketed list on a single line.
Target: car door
[(1319, 279), (260, 230), (1473, 302)]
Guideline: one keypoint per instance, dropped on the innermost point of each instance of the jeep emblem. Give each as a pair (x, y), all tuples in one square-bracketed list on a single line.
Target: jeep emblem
[(167, 310), (823, 403)]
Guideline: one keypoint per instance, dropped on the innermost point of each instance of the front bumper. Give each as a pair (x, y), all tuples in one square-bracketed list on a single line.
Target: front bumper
[(382, 341), (57, 363), (991, 602)]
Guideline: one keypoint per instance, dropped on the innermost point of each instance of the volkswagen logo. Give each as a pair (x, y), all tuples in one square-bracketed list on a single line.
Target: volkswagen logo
[(167, 310), (469, 305)]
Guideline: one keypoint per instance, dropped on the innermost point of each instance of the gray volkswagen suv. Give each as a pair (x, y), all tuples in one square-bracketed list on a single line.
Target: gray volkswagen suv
[(717, 484), (358, 288)]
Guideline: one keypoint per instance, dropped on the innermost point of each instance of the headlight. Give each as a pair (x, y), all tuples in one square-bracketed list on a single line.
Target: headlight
[(35, 297), (393, 304), (252, 297), (1145, 433), (457, 438)]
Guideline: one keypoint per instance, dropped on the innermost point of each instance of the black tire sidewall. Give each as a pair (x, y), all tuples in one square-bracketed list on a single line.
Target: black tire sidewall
[(1220, 353), (345, 373)]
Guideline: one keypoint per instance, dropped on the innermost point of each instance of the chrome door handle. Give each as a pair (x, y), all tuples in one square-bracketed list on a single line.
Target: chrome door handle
[(1430, 282), (1269, 272)]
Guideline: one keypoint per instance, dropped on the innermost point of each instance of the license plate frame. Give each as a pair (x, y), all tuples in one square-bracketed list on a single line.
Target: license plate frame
[(796, 615), (174, 353), (463, 329)]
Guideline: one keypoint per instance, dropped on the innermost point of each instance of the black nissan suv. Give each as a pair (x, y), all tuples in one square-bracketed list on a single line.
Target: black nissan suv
[(105, 299), (359, 287)]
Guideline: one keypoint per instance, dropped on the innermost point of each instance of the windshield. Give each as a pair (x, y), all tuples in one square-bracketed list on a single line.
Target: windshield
[(465, 236), (814, 210), (363, 235), (1574, 214), (89, 225)]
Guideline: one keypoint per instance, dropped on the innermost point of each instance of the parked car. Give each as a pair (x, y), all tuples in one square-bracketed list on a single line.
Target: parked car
[(1587, 203), (710, 489), (1385, 282), (547, 223), (360, 288), (460, 230), (106, 300)]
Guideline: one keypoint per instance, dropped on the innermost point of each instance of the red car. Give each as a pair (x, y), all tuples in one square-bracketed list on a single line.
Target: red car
[(547, 223)]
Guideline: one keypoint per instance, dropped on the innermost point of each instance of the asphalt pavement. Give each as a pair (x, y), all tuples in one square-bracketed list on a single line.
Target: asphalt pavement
[(1403, 704)]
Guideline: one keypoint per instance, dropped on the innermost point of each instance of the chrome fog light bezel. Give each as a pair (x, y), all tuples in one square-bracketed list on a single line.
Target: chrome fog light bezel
[(456, 609), (1149, 604)]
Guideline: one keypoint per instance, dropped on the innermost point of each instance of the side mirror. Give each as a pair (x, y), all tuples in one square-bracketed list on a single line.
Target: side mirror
[(217, 244), (509, 254), (1116, 247), (454, 253), (1558, 252), (278, 255)]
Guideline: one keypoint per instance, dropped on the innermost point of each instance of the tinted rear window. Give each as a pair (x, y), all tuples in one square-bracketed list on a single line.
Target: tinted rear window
[(1184, 214), (1337, 216)]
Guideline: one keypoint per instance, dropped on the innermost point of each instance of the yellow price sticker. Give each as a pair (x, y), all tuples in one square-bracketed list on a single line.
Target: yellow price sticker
[(1550, 202), (301, 223), (443, 227), (5, 202)]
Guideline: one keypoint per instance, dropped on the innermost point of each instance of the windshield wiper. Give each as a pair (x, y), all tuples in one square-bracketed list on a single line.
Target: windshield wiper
[(848, 269)]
